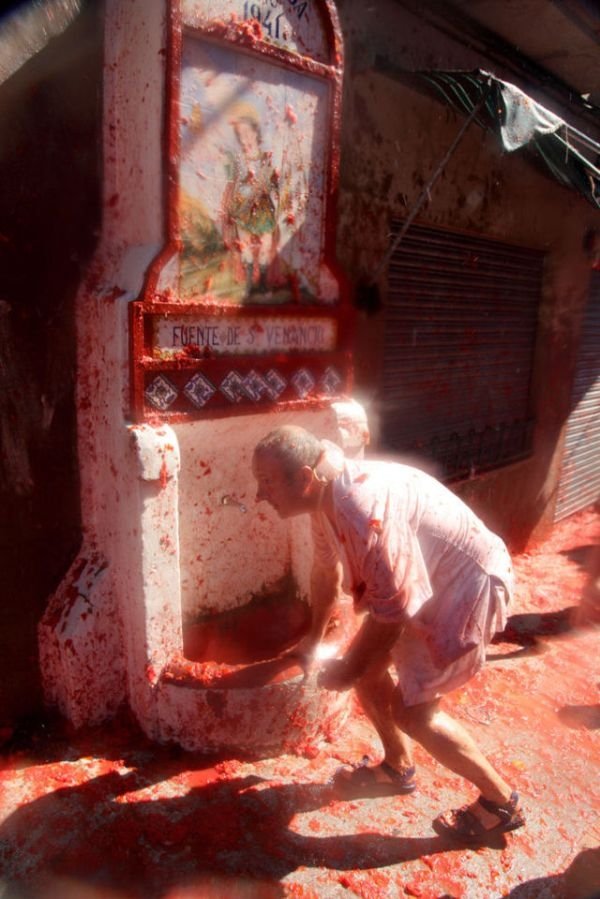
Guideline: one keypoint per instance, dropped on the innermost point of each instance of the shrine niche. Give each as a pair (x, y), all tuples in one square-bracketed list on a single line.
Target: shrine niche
[(245, 307)]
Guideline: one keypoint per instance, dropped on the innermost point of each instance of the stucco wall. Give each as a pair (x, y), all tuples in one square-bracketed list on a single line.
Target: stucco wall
[(393, 139), (231, 552)]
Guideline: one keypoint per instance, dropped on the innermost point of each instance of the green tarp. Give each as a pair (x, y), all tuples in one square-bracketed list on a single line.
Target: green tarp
[(572, 157)]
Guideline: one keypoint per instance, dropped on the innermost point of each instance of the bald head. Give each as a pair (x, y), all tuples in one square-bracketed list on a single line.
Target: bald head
[(292, 446), (284, 467)]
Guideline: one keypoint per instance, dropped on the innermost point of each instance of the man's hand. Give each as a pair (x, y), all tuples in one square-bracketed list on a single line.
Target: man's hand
[(324, 590), (370, 648), (336, 674), (304, 651)]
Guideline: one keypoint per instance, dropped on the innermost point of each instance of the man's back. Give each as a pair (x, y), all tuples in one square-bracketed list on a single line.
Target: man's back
[(386, 497), (410, 548)]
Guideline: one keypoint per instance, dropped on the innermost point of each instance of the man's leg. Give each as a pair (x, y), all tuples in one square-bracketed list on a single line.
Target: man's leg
[(448, 742), (375, 691)]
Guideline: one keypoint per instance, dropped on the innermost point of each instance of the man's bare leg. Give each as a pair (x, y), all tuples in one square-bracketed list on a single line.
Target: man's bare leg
[(375, 690), (448, 742)]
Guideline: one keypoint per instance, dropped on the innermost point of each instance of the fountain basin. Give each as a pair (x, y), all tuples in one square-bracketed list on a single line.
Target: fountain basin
[(236, 686)]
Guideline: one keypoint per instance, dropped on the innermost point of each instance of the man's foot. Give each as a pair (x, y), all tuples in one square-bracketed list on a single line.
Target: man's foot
[(367, 776), (482, 821)]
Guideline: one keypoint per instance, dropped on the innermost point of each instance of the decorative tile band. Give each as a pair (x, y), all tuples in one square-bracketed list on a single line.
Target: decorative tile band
[(199, 390), (161, 392)]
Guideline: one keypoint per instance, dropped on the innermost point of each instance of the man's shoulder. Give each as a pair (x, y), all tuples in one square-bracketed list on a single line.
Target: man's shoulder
[(377, 474)]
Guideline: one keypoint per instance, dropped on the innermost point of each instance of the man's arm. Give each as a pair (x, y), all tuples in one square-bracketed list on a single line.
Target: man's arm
[(369, 648), (325, 586), (324, 589)]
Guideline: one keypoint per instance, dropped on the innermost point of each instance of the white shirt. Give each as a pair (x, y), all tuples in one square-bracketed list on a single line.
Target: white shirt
[(413, 551)]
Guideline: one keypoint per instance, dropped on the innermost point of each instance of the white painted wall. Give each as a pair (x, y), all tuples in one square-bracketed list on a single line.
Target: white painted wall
[(159, 545), (227, 555)]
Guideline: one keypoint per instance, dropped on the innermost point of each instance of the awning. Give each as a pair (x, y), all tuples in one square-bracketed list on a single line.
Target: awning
[(572, 157), (26, 28)]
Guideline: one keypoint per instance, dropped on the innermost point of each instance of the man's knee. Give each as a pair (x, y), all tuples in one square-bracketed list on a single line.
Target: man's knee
[(375, 674), (415, 718)]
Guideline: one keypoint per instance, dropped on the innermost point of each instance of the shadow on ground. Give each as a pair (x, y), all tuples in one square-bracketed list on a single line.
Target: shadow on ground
[(581, 716), (580, 555), (526, 629), (581, 880), (118, 833)]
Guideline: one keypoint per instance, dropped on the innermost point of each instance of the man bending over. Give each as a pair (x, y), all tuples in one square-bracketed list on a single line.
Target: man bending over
[(433, 583)]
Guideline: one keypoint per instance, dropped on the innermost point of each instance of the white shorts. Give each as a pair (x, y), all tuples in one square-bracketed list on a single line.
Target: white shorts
[(420, 680)]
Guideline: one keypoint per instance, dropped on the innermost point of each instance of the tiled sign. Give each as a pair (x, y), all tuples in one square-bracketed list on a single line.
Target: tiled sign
[(242, 335), (244, 305)]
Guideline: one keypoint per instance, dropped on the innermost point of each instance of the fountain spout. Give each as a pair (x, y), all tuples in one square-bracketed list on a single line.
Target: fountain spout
[(228, 500)]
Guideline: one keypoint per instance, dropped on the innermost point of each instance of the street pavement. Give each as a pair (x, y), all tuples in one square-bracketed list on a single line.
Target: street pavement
[(104, 814)]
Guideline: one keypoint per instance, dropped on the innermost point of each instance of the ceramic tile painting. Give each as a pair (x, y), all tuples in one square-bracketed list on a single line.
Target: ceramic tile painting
[(252, 178)]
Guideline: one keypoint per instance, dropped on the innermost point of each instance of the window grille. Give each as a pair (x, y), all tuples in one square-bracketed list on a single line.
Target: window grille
[(460, 328)]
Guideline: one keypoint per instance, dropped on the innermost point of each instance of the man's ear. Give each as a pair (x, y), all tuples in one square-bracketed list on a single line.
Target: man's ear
[(305, 477)]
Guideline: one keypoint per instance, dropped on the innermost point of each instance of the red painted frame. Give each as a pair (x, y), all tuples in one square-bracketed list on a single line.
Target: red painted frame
[(153, 303)]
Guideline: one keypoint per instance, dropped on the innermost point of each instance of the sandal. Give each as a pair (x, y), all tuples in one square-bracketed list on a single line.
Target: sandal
[(462, 825), (363, 775)]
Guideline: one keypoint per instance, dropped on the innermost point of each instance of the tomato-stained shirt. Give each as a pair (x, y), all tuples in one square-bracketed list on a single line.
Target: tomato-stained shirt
[(412, 551)]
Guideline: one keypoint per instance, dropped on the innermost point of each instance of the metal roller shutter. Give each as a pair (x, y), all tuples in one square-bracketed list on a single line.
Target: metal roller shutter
[(580, 475), (460, 327)]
